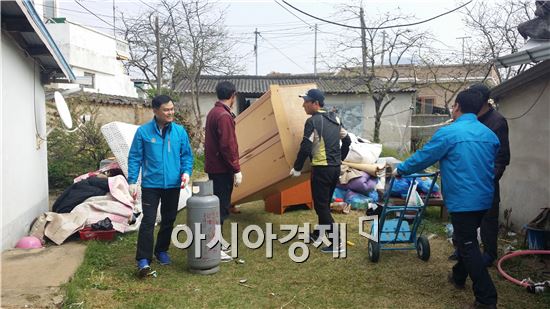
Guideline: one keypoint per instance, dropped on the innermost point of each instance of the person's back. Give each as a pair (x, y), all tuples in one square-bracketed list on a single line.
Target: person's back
[(220, 142), (467, 167), (326, 144), (466, 150), (221, 151)]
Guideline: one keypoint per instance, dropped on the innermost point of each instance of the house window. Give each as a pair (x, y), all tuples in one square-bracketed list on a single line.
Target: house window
[(245, 100), (425, 105), (92, 75)]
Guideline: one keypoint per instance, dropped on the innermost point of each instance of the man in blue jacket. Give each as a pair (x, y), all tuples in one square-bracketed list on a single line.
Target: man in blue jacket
[(162, 151), (466, 151)]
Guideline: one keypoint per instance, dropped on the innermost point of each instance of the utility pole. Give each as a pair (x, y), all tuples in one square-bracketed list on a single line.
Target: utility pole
[(315, 53), (463, 37), (363, 41), (114, 20), (159, 56), (383, 47), (256, 33)]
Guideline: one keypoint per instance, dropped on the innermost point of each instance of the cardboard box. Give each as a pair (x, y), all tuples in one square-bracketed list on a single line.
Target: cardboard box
[(269, 134)]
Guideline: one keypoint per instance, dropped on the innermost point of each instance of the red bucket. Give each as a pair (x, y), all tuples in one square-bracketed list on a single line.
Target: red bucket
[(88, 234)]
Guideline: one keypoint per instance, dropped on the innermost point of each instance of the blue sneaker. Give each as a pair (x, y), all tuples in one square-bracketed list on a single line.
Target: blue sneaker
[(143, 267), (163, 258)]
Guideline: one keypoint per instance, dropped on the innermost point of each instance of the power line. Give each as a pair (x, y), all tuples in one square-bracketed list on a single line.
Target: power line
[(284, 29), (70, 10), (77, 2), (376, 28), (533, 105), (286, 9), (277, 49), (152, 8), (276, 24)]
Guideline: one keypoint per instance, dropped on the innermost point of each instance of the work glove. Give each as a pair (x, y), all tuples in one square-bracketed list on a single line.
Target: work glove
[(133, 189), (295, 173), (184, 180), (238, 177), (395, 173)]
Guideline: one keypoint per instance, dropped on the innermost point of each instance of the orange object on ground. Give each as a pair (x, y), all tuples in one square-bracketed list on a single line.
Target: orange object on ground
[(297, 195)]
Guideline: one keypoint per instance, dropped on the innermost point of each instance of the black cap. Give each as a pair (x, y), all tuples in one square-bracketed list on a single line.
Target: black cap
[(314, 95)]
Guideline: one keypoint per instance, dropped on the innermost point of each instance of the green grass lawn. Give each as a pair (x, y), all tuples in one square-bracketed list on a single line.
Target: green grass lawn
[(400, 279)]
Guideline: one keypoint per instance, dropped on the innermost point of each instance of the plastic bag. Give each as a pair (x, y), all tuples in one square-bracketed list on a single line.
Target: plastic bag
[(424, 184), (415, 199), (357, 200), (373, 195), (363, 151), (400, 187), (339, 193)]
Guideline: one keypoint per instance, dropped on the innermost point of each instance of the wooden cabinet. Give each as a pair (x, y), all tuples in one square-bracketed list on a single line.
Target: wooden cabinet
[(296, 195), (269, 134)]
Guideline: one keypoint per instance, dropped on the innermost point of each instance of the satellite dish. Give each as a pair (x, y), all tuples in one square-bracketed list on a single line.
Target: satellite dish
[(63, 110)]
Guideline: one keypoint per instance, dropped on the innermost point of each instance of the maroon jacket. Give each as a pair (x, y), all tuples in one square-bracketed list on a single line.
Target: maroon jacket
[(221, 151)]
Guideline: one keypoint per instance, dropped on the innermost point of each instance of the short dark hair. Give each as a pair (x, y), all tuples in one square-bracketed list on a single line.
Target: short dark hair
[(159, 100), (483, 89), (470, 101), (224, 90)]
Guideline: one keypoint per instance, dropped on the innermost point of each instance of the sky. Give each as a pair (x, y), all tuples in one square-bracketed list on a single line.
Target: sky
[(286, 42)]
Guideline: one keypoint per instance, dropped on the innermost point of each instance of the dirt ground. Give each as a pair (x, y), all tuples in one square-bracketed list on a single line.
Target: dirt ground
[(31, 278)]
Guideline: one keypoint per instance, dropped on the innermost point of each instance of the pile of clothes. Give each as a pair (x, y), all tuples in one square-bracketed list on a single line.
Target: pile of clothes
[(363, 178), (362, 175), (92, 198), (98, 195)]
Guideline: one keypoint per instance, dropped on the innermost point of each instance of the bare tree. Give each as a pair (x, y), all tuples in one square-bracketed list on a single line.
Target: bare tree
[(493, 26), (393, 47), (180, 40), (445, 75), (142, 35), (201, 45)]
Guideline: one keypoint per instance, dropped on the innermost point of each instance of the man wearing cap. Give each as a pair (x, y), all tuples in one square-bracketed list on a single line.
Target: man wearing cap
[(498, 124), (321, 143)]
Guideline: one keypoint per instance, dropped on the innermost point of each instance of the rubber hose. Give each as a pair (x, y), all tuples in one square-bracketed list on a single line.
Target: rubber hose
[(514, 254)]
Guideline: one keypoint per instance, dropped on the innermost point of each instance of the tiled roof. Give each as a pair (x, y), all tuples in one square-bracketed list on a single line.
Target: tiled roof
[(252, 84), (101, 98)]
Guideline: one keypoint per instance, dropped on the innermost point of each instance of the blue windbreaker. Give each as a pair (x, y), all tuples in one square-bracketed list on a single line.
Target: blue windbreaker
[(162, 160), (466, 150)]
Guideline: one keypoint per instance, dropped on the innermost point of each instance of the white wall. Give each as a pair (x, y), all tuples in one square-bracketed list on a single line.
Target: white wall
[(91, 51), (525, 186), (206, 102), (24, 168), (357, 112)]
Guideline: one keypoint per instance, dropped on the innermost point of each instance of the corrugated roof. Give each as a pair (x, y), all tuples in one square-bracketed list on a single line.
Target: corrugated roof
[(539, 72), (251, 84), (101, 98)]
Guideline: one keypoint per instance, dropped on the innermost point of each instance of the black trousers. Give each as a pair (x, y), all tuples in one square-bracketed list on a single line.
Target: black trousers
[(489, 226), (323, 183), (168, 209), (470, 262), (223, 188)]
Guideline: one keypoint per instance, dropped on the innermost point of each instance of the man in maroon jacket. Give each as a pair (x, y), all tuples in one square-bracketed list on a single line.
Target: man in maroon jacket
[(221, 151)]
